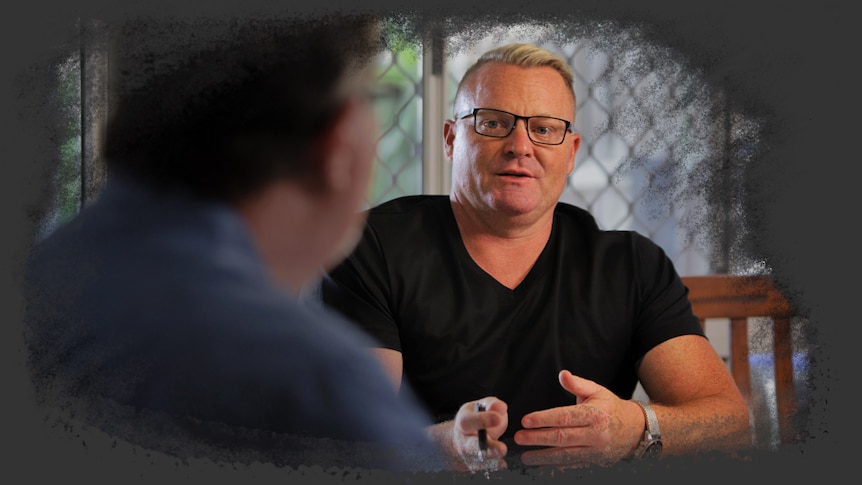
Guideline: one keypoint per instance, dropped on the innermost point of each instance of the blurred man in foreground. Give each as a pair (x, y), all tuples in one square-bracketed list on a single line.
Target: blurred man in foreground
[(166, 313)]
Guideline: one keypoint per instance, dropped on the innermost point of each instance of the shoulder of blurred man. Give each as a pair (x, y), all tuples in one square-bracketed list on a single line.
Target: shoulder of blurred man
[(159, 302)]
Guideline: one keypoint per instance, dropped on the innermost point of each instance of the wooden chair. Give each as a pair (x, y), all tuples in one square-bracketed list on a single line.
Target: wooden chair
[(739, 298)]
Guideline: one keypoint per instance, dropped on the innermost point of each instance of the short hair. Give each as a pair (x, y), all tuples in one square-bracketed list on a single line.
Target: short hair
[(222, 107), (523, 55)]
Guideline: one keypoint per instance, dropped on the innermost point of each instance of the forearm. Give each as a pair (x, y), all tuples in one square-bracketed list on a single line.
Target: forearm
[(716, 423), (697, 403)]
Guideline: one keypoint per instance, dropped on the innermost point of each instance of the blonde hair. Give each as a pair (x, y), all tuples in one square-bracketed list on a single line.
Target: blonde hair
[(523, 55)]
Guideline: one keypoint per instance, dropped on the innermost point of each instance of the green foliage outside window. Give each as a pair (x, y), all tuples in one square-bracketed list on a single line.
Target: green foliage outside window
[(67, 177)]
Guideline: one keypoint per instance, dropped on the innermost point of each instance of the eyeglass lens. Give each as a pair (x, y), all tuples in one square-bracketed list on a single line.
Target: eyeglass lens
[(499, 124)]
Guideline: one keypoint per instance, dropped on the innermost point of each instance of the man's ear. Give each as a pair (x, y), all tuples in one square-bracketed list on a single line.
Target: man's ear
[(448, 138), (576, 142)]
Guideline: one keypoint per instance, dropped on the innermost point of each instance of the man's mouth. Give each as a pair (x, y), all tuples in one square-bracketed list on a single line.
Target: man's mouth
[(514, 174)]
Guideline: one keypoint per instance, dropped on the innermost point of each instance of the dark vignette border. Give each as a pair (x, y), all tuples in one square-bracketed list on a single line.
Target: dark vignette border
[(782, 63)]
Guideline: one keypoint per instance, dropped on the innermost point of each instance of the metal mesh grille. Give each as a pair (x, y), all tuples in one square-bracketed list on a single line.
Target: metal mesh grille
[(399, 148), (648, 129), (631, 164)]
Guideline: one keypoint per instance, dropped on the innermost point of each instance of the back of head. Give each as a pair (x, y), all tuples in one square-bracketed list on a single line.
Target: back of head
[(523, 55), (222, 107)]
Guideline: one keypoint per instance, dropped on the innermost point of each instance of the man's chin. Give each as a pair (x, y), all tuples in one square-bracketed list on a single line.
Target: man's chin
[(514, 204)]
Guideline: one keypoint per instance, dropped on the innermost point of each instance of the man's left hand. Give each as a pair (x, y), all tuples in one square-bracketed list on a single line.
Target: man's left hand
[(600, 429)]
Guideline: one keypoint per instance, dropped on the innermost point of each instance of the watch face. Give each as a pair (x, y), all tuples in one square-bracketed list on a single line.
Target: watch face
[(652, 450)]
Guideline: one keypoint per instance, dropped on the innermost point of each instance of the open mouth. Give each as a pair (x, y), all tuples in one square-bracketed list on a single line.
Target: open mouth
[(514, 174)]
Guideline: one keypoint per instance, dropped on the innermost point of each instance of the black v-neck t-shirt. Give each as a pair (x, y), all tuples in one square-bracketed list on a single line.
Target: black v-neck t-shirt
[(594, 303)]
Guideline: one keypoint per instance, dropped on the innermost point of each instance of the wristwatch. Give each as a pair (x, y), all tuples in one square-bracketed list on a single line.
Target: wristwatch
[(650, 446)]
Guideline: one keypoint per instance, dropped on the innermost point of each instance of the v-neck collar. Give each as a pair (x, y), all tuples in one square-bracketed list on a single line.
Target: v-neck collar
[(461, 250)]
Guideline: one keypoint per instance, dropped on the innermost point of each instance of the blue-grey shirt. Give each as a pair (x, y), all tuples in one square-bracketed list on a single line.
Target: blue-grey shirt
[(157, 305)]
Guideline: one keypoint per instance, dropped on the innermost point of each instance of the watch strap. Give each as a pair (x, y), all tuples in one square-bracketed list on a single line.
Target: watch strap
[(651, 444), (651, 419)]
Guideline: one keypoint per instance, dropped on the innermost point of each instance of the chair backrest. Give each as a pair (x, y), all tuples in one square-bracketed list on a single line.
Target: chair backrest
[(739, 298)]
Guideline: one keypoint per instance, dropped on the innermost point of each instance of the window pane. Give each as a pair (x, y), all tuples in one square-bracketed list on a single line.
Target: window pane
[(398, 169), (66, 174)]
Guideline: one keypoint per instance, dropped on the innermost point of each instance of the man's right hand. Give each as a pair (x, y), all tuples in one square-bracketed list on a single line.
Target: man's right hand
[(460, 437)]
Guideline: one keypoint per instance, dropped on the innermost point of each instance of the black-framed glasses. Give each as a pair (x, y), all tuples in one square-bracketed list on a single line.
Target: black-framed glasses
[(496, 123)]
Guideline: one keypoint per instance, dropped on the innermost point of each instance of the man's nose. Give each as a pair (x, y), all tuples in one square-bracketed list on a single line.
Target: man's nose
[(519, 139)]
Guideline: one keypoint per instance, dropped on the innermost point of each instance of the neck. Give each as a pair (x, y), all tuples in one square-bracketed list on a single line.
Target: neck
[(281, 220), (506, 248)]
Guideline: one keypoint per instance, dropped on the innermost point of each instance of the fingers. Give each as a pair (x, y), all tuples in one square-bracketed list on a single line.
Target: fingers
[(494, 419), (557, 437), (581, 433), (489, 458), (495, 449), (580, 387), (492, 404), (575, 435), (469, 449), (471, 422), (587, 424), (567, 416)]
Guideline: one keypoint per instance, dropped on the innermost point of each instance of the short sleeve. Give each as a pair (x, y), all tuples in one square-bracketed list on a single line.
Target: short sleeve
[(664, 311), (359, 289)]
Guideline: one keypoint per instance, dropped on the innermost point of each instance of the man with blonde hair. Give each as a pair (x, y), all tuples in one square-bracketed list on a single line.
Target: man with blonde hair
[(501, 295)]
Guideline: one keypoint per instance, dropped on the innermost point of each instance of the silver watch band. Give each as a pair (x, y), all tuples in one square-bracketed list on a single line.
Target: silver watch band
[(651, 419), (651, 445)]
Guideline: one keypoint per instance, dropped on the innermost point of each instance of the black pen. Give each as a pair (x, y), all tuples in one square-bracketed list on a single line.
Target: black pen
[(483, 434)]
